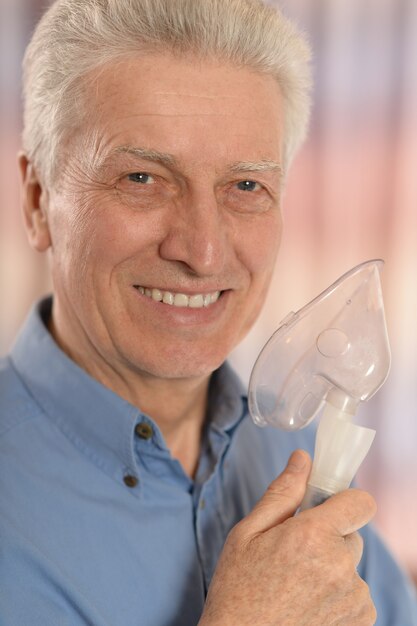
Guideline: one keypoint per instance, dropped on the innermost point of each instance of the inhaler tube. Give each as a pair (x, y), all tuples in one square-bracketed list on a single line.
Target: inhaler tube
[(340, 449)]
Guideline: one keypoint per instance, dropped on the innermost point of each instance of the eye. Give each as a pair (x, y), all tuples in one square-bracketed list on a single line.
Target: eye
[(142, 178), (248, 185)]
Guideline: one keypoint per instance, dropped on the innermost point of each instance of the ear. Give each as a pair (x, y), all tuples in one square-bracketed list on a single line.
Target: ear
[(34, 205)]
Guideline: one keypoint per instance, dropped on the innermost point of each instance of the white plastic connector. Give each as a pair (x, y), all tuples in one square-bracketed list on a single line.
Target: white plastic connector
[(340, 449)]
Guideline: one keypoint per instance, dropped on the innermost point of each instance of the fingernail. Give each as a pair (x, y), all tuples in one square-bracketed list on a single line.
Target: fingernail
[(297, 460)]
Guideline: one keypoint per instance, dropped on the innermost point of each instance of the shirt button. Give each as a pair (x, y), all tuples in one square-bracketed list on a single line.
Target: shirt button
[(130, 481), (144, 430)]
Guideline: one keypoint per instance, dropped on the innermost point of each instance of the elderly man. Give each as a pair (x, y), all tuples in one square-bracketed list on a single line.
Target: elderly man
[(132, 483)]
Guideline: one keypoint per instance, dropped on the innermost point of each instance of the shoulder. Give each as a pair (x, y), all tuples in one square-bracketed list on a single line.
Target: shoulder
[(16, 403), (273, 443), (258, 455)]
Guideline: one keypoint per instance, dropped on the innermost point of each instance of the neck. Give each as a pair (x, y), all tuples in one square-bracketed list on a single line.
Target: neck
[(178, 406)]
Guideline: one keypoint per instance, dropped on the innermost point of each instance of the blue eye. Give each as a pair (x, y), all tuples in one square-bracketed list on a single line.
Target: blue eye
[(247, 185), (141, 177)]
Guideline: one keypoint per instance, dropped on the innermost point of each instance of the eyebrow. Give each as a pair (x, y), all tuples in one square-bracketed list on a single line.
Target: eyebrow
[(257, 166), (169, 160), (149, 155)]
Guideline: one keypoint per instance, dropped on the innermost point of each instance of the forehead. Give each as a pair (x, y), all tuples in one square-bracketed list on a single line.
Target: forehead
[(184, 104)]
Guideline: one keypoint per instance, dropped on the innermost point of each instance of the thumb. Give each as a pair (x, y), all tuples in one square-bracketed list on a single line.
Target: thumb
[(283, 496)]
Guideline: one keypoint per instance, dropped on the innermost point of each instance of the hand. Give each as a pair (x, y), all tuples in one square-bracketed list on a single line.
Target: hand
[(276, 569)]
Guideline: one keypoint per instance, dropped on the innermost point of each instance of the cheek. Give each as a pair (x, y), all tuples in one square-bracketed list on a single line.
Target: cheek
[(258, 248), (124, 242), (101, 235), (258, 252)]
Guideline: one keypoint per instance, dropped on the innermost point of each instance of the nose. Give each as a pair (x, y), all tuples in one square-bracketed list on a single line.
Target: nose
[(197, 235)]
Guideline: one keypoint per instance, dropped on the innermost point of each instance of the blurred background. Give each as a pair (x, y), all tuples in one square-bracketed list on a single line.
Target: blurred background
[(351, 196)]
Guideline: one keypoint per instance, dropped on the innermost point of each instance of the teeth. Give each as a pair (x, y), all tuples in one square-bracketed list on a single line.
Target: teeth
[(167, 298), (181, 300), (156, 295), (197, 301)]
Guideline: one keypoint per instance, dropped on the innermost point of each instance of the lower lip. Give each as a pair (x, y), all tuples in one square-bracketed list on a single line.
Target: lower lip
[(185, 315)]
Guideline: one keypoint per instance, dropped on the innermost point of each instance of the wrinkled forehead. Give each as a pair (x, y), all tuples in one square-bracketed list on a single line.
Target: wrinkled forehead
[(183, 105), (162, 84)]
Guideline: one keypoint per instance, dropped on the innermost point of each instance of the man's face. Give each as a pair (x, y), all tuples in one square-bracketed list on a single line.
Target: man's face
[(171, 190)]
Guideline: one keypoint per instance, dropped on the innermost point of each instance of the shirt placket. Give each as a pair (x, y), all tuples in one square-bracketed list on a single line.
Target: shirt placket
[(209, 527)]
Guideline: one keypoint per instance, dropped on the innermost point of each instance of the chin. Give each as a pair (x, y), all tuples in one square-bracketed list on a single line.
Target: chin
[(186, 371), (177, 366)]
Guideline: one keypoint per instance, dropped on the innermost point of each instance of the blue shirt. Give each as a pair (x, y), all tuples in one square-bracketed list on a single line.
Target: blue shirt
[(99, 525)]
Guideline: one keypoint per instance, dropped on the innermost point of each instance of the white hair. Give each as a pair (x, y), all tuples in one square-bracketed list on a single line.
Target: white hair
[(75, 37)]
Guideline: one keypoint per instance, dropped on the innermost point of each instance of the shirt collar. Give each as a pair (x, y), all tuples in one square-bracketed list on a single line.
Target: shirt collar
[(98, 421), (227, 403)]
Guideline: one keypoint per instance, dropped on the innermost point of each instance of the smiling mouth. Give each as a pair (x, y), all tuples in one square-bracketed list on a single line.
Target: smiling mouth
[(181, 300)]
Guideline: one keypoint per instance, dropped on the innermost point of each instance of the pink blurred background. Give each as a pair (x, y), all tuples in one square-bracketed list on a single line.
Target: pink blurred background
[(351, 196)]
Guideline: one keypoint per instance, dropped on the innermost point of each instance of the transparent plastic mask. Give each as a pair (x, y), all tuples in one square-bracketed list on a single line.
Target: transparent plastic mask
[(334, 349)]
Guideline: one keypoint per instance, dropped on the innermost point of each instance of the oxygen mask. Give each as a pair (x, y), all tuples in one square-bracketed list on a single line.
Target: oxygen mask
[(328, 357)]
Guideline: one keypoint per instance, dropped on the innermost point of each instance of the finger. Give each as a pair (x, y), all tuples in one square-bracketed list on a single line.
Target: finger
[(283, 496), (354, 544), (348, 511)]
